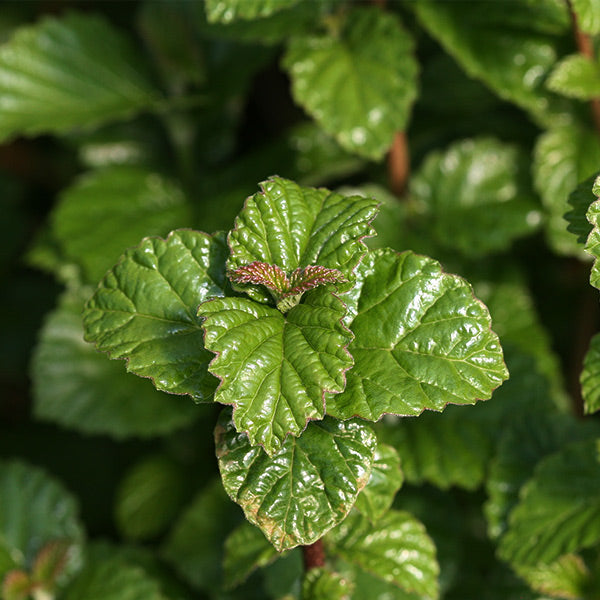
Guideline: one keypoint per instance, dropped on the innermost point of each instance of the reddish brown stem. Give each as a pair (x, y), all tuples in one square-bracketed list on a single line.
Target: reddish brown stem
[(586, 48), (399, 164), (314, 555)]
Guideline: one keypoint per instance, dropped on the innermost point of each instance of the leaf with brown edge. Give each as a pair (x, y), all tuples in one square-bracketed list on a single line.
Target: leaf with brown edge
[(275, 369), (305, 489)]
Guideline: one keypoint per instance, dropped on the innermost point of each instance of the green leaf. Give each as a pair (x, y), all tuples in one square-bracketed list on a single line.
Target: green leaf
[(588, 15), (568, 577), (17, 585), (576, 76), (292, 226), (359, 83), (110, 579), (559, 508), (74, 71), (396, 549), (592, 245), (563, 157), (109, 210), (323, 584), (422, 340), (275, 369), (77, 387), (50, 563), (36, 510), (511, 51), (148, 497), (369, 587), (226, 11), (590, 377), (194, 547), (246, 549), (304, 490), (580, 200), (386, 479), (144, 310), (525, 441), (475, 196), (448, 449)]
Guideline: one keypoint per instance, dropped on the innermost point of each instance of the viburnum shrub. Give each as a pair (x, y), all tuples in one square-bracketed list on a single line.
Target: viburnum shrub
[(286, 393)]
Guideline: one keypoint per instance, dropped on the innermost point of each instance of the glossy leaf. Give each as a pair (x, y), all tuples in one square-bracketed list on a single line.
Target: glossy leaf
[(524, 442), (112, 209), (292, 226), (592, 245), (323, 584), (422, 340), (511, 51), (275, 369), (307, 488), (73, 71), (386, 479), (568, 577), (36, 510), (77, 387), (110, 579), (148, 497), (580, 200), (576, 76), (396, 549), (226, 11), (144, 310), (590, 377), (475, 196), (359, 84), (588, 15), (194, 547), (563, 157), (369, 587), (559, 508), (246, 549)]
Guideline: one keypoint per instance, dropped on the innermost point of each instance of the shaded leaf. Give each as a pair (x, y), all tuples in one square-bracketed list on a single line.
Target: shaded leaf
[(396, 550), (590, 377), (524, 442), (588, 15), (386, 479), (109, 210), (194, 547), (422, 340), (148, 497), (292, 226), (246, 549), (77, 387), (580, 200), (275, 369), (475, 196), (36, 510), (563, 157), (358, 84), (110, 579), (576, 76), (51, 563), (73, 71), (225, 11), (323, 584), (144, 310), (559, 508), (307, 488), (511, 51), (16, 586)]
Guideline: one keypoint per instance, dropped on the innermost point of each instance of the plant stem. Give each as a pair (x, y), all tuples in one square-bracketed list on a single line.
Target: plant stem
[(586, 48), (399, 164), (314, 555)]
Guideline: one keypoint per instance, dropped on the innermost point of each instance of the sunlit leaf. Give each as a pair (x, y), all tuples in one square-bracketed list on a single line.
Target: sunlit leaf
[(576, 76), (588, 15), (307, 488), (225, 11)]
